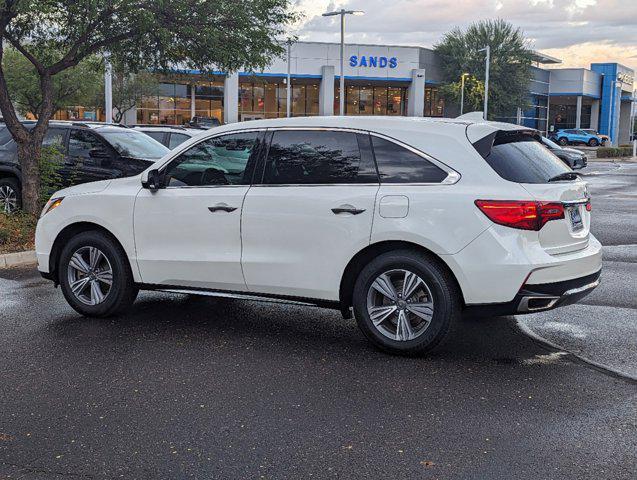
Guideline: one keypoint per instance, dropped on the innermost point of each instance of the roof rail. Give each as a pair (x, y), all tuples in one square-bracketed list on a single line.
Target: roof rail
[(89, 123), (155, 125)]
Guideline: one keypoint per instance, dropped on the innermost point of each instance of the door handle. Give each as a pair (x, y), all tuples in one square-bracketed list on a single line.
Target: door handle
[(222, 207), (347, 209)]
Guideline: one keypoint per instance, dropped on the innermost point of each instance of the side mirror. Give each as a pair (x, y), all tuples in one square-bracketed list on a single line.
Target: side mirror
[(153, 180)]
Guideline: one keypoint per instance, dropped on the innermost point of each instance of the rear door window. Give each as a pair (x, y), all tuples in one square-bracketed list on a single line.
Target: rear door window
[(521, 158), (396, 164), (317, 157)]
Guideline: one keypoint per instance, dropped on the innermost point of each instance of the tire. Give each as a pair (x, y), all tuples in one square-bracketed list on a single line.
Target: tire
[(563, 141), (436, 284), (117, 297), (10, 195), (593, 142)]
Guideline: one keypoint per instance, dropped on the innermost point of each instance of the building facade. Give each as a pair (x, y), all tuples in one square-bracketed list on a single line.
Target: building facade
[(387, 80)]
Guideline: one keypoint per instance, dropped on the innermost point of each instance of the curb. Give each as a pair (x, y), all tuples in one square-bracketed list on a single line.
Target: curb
[(17, 259), (591, 363)]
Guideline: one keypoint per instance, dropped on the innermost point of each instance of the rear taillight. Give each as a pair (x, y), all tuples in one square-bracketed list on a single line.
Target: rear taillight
[(524, 215), (588, 206)]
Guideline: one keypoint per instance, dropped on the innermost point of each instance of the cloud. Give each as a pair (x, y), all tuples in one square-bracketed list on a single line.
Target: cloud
[(575, 30)]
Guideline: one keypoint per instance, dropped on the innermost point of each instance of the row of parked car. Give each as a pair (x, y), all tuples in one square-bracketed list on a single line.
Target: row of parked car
[(97, 151), (92, 151)]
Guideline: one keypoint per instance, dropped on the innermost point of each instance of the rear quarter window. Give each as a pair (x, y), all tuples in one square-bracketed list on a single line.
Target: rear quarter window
[(521, 158), (396, 164)]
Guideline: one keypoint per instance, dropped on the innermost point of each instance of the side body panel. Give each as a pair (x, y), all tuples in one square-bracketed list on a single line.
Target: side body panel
[(293, 244)]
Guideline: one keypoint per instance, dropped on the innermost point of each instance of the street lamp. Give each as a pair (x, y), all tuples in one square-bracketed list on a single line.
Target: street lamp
[(462, 91), (342, 12), (486, 79)]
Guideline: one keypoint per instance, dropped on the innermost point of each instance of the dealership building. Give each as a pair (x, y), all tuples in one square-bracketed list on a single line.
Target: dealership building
[(387, 80)]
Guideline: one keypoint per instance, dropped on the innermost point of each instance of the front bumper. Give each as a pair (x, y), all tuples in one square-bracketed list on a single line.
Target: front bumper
[(539, 297)]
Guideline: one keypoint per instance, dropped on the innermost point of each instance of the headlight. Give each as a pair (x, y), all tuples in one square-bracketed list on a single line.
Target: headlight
[(51, 205)]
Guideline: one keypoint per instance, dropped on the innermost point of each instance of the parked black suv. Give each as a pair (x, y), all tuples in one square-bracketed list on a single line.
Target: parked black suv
[(92, 151)]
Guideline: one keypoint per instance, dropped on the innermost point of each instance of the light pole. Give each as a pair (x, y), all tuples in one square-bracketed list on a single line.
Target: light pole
[(486, 79), (342, 12), (462, 91), (108, 88)]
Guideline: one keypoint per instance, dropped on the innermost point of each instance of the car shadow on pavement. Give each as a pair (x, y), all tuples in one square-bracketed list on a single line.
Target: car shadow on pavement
[(275, 327)]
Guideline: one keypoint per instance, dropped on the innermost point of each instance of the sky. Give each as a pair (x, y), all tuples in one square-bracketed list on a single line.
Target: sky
[(578, 32)]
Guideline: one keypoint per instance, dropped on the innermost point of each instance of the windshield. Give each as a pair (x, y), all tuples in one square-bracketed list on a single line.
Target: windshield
[(520, 157), (130, 143)]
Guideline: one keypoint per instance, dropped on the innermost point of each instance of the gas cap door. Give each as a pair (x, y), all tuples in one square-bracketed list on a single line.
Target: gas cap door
[(394, 206)]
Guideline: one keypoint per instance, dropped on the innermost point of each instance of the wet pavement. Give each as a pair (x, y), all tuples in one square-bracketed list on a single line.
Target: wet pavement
[(187, 387)]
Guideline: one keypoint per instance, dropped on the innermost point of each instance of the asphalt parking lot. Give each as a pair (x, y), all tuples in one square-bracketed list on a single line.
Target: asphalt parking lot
[(186, 387), (602, 328)]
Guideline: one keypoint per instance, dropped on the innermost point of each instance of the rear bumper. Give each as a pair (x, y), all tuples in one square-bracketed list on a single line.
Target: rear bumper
[(501, 262), (536, 298)]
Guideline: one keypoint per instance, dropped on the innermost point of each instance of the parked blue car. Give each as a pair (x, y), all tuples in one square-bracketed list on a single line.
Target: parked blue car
[(575, 136)]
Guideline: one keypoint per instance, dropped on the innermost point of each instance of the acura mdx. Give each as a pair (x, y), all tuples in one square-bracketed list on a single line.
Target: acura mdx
[(403, 223)]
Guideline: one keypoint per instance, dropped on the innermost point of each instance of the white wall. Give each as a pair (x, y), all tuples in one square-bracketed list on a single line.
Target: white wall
[(309, 57)]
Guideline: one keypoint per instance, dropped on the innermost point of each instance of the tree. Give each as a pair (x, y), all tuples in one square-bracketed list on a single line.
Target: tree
[(79, 85), (509, 73), (473, 93), (129, 88), (141, 34)]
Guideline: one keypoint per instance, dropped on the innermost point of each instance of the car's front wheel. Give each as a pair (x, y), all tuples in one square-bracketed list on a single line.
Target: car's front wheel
[(95, 275), (10, 195), (593, 142), (405, 302)]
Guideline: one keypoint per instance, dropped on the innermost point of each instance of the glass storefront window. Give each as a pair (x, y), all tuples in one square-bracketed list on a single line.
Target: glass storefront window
[(395, 98), (271, 101), (282, 100), (380, 100), (351, 100), (434, 105), (173, 104), (366, 101), (209, 100), (298, 100), (312, 100), (370, 100), (268, 100)]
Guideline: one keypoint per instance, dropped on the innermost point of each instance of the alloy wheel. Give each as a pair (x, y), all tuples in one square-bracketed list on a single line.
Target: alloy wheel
[(90, 275), (8, 199), (400, 305)]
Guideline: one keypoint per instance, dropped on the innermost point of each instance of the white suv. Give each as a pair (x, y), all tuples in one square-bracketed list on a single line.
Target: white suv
[(405, 221)]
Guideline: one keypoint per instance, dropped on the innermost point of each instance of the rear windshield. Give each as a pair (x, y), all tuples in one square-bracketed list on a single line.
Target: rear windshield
[(134, 144), (520, 157)]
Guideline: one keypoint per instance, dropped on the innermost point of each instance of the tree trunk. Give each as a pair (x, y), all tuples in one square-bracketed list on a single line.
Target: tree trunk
[(29, 158)]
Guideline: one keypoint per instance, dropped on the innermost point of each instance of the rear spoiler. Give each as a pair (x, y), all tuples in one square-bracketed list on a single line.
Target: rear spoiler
[(485, 144)]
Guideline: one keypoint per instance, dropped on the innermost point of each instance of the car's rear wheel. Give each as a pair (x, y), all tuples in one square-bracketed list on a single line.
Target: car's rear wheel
[(563, 141), (95, 275), (593, 142), (405, 302), (10, 195)]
